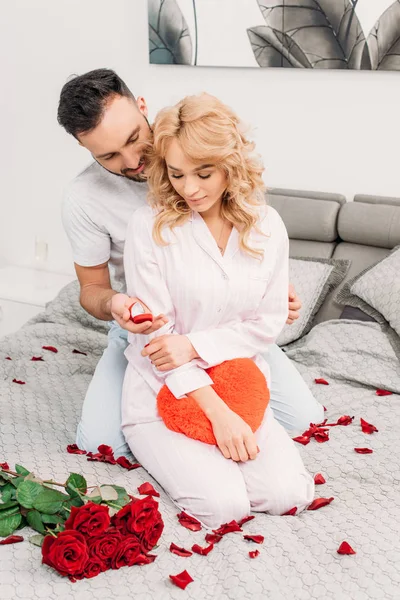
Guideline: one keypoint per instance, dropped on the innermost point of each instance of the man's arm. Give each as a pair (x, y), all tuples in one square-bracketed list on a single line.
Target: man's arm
[(96, 291), (99, 299)]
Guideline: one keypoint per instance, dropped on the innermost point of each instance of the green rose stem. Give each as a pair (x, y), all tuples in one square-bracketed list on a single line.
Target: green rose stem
[(49, 481)]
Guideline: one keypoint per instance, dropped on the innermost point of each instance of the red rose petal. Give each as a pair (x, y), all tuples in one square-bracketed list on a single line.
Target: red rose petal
[(321, 381), (258, 539), (203, 551), (213, 538), (345, 420), (50, 349), (254, 553), (189, 522), (380, 392), (105, 454), (74, 351), (106, 450), (145, 559), (146, 489), (245, 520), (319, 503), (4, 466), (325, 409), (321, 436), (179, 551), (37, 358), (73, 449), (367, 427), (181, 580), (123, 462), (228, 528), (319, 479), (302, 439), (291, 512), (19, 381), (345, 548), (12, 539), (363, 450), (8, 358)]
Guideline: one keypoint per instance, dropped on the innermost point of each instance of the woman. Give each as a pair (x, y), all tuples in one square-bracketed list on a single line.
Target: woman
[(211, 256)]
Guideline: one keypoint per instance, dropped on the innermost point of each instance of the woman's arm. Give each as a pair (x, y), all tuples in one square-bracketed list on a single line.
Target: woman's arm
[(145, 281), (246, 338)]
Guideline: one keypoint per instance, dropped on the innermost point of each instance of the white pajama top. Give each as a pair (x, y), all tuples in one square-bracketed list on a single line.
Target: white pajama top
[(230, 306)]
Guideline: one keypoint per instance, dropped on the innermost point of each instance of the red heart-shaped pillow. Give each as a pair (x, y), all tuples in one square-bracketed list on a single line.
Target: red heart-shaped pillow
[(239, 382)]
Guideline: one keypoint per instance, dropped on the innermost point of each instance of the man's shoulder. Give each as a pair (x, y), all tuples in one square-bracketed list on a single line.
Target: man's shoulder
[(95, 181)]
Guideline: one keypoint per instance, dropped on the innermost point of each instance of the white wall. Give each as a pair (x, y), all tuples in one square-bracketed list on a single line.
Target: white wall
[(331, 131)]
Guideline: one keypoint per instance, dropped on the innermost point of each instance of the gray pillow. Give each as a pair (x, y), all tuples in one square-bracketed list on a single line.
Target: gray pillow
[(313, 279), (376, 291)]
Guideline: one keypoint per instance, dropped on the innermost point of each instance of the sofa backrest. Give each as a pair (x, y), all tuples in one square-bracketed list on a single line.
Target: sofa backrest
[(322, 225)]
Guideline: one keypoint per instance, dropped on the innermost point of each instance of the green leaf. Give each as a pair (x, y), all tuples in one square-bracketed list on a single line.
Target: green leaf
[(8, 492), (49, 501), (7, 505), (21, 470), (37, 540), (27, 492), (51, 519), (77, 483), (123, 497), (16, 481), (35, 521), (9, 524), (8, 512)]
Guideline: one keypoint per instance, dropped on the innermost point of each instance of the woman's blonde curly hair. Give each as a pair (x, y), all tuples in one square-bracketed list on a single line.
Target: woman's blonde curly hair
[(209, 132)]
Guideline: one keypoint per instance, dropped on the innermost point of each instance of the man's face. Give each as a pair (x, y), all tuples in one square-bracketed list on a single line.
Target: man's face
[(118, 141)]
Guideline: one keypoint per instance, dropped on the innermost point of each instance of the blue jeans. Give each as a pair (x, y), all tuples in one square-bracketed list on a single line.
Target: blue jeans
[(293, 404)]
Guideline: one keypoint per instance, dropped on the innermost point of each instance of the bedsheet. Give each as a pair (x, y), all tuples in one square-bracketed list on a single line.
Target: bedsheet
[(298, 559)]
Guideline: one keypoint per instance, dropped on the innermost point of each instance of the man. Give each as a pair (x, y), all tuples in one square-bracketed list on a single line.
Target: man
[(99, 110)]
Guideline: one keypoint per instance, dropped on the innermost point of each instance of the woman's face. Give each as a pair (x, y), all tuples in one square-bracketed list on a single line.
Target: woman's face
[(200, 185)]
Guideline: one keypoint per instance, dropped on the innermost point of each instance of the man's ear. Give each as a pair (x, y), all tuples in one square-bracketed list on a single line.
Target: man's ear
[(142, 106)]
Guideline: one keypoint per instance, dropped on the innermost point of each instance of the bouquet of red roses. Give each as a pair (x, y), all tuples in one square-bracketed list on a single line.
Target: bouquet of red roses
[(81, 534), (93, 542)]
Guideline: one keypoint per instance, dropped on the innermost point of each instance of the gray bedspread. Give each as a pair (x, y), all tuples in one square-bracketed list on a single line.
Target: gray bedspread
[(298, 559)]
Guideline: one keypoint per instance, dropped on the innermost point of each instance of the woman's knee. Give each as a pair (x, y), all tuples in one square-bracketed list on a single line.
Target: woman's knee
[(285, 494), (218, 510)]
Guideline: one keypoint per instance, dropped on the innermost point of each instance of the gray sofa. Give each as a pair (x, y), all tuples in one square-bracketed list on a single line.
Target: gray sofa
[(324, 225)]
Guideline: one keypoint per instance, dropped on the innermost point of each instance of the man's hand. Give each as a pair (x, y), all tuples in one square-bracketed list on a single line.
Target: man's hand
[(170, 351), (120, 304), (294, 305)]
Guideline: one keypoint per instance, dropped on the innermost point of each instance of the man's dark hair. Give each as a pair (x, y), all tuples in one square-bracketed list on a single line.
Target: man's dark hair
[(83, 99)]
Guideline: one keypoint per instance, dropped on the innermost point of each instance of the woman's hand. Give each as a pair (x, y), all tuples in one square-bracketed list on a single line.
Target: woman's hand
[(234, 437), (170, 351), (120, 305)]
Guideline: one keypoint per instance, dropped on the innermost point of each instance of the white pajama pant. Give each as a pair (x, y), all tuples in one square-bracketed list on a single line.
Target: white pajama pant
[(199, 479)]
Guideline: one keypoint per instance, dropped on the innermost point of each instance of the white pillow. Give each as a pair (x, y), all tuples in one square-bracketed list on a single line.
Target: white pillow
[(313, 279)]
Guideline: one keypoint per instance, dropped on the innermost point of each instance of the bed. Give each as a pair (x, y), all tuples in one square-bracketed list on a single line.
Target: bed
[(357, 352)]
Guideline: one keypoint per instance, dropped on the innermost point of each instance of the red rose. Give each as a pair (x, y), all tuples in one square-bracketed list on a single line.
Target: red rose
[(90, 519), (137, 516), (93, 567), (128, 553), (104, 547), (67, 553), (150, 536)]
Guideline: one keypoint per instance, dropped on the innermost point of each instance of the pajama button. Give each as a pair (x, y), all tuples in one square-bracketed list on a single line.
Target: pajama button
[(224, 276), (219, 309)]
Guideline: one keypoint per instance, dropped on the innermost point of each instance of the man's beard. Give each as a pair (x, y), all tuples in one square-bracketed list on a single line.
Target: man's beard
[(139, 178)]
